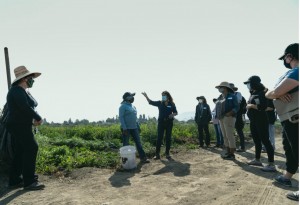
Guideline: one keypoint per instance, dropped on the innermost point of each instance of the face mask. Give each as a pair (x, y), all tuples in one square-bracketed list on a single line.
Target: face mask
[(287, 65), (30, 82), (221, 90), (248, 86), (164, 98), (200, 101), (130, 99)]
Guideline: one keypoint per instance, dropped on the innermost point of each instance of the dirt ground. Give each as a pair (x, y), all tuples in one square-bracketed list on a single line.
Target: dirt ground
[(198, 176)]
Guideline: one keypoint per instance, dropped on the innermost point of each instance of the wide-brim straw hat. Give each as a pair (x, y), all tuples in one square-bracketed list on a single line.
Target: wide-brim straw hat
[(22, 72), (224, 84)]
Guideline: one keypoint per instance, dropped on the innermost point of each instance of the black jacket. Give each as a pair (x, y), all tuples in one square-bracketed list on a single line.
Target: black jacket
[(21, 107), (203, 114)]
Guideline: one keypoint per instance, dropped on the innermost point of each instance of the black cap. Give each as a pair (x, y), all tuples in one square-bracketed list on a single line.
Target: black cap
[(127, 94), (291, 49), (253, 79), (215, 99)]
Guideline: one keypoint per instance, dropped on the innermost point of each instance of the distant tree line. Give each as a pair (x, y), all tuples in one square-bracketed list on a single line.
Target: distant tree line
[(114, 120)]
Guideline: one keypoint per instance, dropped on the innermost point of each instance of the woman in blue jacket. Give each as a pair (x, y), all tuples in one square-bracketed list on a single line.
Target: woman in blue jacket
[(202, 118), (167, 111), (226, 109)]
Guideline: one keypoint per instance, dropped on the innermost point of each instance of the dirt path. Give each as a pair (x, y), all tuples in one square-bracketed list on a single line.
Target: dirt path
[(194, 177)]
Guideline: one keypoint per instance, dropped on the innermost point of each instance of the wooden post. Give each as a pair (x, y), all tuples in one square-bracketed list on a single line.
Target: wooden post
[(7, 67)]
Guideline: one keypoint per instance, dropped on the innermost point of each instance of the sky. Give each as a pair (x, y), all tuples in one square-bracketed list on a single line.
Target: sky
[(90, 52)]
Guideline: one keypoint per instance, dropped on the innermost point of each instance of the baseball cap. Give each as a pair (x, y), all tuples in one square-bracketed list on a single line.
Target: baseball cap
[(291, 49)]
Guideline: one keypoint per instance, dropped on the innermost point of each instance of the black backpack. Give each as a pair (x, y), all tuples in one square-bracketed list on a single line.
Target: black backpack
[(6, 143)]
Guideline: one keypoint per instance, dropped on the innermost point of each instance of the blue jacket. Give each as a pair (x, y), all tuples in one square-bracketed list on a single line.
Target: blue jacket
[(128, 116)]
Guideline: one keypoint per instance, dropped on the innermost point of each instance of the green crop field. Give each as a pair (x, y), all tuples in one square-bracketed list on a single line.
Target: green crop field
[(63, 147)]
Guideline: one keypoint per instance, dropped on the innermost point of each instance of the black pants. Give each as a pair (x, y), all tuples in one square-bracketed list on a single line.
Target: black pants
[(164, 127), (290, 141), (201, 128), (239, 126), (26, 149), (259, 128)]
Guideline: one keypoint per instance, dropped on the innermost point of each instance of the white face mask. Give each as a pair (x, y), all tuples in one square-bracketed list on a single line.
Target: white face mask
[(164, 98), (248, 86), (200, 101)]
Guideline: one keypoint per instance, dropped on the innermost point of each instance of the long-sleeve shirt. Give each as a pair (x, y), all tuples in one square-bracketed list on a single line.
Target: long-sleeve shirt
[(164, 111), (128, 116), (21, 107), (203, 113), (226, 104), (257, 98)]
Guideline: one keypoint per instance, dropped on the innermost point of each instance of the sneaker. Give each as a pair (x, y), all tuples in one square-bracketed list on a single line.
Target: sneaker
[(294, 195), (255, 162), (157, 157), (263, 151), (283, 181), (269, 168), (35, 186), (240, 150), (229, 157)]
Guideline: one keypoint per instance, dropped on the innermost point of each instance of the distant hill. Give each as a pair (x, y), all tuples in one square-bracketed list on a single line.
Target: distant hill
[(185, 116)]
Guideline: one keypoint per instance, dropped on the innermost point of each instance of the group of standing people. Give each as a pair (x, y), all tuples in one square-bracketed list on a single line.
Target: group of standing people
[(260, 109), (227, 115)]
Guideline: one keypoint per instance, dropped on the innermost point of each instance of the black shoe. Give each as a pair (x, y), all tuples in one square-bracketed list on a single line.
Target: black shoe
[(241, 150), (145, 160), (168, 157), (229, 157), (35, 186), (201, 145)]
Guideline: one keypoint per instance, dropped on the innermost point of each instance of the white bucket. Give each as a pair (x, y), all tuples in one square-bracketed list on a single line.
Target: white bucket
[(128, 157)]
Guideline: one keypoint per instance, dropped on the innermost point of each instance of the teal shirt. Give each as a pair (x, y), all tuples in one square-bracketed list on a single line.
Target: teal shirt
[(128, 116)]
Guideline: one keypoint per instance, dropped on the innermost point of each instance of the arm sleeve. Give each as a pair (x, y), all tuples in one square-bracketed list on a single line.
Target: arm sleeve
[(196, 114), (121, 116), (23, 105), (174, 109), (154, 103), (263, 102)]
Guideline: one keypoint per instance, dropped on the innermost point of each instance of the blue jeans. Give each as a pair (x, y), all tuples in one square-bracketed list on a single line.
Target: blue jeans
[(219, 135), (136, 138)]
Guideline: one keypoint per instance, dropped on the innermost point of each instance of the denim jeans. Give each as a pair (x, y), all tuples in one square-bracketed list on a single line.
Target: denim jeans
[(241, 136), (136, 138), (219, 135)]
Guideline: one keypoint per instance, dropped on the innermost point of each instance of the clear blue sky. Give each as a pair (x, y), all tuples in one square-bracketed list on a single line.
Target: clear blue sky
[(92, 51)]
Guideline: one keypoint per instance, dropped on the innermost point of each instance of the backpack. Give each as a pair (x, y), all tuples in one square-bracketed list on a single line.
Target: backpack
[(6, 143), (243, 105)]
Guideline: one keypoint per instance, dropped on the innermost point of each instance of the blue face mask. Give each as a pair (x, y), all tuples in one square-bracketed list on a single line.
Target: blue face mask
[(164, 98)]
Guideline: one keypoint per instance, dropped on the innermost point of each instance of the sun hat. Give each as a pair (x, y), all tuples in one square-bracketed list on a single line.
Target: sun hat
[(22, 72), (200, 97), (127, 94), (253, 79), (291, 49), (224, 84), (233, 87)]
